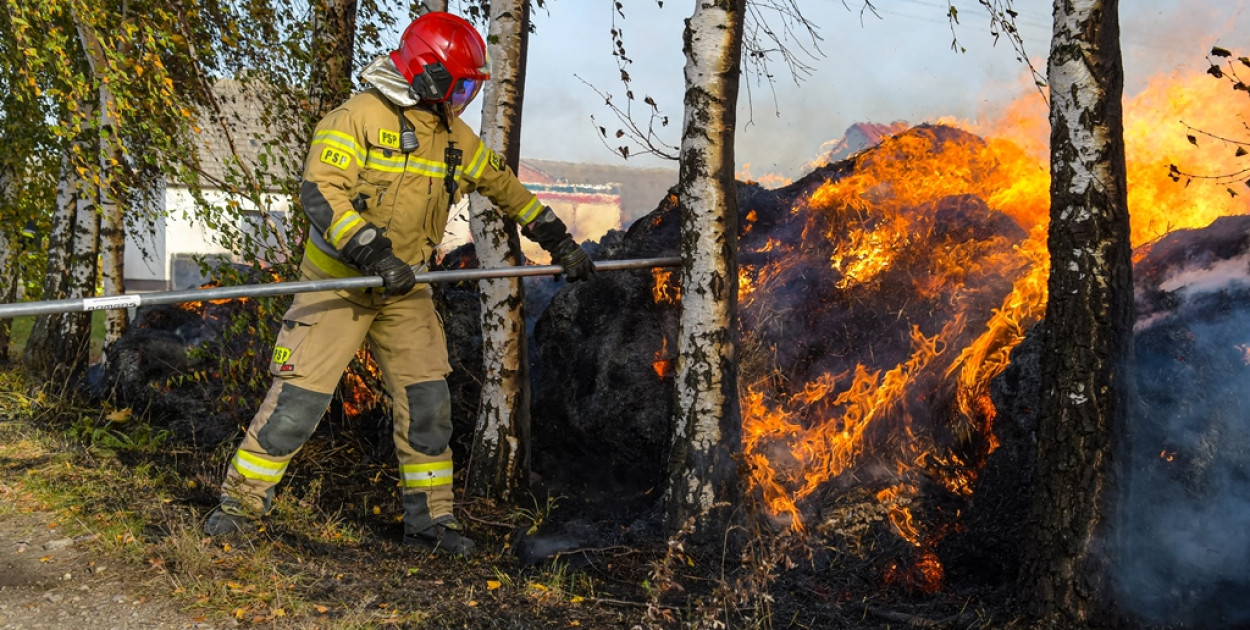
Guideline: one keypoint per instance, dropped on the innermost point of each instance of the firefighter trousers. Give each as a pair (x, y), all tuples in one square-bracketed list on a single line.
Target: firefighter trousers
[(320, 334)]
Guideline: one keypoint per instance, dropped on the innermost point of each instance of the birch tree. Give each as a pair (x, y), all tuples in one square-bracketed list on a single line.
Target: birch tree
[(112, 161), (333, 50), (59, 342), (1085, 384), (8, 261), (707, 433), (500, 460)]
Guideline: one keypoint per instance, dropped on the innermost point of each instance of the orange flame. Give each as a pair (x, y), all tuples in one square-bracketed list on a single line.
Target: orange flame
[(664, 291), (796, 442), (662, 365)]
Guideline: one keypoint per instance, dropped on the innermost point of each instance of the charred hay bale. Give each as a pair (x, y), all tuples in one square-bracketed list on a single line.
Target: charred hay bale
[(151, 368), (1184, 494)]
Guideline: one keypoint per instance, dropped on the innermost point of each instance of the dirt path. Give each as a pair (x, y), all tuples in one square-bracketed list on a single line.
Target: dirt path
[(51, 580)]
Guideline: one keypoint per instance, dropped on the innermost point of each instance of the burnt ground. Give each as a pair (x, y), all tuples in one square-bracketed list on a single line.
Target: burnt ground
[(86, 532)]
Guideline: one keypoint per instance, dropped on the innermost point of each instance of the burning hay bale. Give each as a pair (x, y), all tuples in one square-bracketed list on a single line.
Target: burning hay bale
[(871, 287)]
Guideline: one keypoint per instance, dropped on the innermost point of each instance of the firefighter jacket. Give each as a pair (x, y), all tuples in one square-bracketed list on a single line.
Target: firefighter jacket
[(356, 172)]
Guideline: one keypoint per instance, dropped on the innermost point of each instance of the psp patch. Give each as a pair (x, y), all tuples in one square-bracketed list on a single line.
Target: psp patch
[(281, 355), (388, 139), (335, 158)]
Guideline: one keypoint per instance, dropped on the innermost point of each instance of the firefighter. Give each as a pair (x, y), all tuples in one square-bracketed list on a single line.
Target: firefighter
[(381, 175)]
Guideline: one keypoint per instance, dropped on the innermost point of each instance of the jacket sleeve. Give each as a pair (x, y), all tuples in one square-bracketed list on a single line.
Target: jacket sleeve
[(334, 160), (486, 173)]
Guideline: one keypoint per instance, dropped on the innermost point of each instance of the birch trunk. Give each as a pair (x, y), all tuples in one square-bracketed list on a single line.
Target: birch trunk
[(9, 267), (1089, 317), (333, 49), (703, 485), (59, 343), (112, 163), (500, 461)]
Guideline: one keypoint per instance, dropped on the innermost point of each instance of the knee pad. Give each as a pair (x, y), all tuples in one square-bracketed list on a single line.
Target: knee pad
[(295, 417), (429, 416)]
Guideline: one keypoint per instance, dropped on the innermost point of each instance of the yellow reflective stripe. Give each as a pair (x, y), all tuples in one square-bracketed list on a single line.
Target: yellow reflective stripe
[(379, 162), (253, 467), (349, 220), (426, 475), (339, 140), (331, 266), (429, 168), (477, 164), (530, 211)]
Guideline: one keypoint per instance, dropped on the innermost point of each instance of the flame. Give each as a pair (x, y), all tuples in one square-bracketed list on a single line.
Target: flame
[(800, 437), (360, 389), (662, 364), (664, 291)]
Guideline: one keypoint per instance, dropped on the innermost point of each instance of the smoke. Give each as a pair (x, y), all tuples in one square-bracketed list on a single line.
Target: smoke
[(1180, 535)]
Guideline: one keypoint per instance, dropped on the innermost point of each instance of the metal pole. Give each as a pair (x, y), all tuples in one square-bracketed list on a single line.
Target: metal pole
[(134, 300)]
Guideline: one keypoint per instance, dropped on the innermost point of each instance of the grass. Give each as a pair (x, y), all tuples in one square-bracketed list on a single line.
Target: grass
[(319, 562)]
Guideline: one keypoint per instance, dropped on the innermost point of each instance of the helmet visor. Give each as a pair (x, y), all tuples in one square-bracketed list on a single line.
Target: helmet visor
[(463, 93)]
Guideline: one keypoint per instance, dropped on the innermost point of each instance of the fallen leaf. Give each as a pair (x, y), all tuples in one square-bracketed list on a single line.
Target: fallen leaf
[(472, 603), (121, 415), (45, 558), (577, 599), (321, 609), (492, 585)]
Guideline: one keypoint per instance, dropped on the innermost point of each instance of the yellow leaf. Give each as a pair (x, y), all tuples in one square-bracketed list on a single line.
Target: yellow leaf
[(377, 509), (225, 546), (472, 603), (280, 612), (575, 623), (239, 612), (234, 585), (492, 585), (45, 558), (577, 599), (538, 587), (321, 609)]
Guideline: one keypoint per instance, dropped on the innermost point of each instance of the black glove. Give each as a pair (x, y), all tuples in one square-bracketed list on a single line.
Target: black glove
[(576, 262), (371, 252), (550, 233)]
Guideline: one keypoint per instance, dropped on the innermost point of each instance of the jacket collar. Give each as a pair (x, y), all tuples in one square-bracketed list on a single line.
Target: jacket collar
[(382, 74)]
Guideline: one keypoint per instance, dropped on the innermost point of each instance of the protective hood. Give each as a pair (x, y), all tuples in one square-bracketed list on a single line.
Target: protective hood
[(382, 74)]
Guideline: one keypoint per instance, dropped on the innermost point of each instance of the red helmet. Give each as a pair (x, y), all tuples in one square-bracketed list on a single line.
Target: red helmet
[(444, 60)]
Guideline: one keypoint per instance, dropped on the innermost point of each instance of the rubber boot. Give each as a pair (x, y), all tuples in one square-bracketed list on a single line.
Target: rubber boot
[(444, 537), (230, 517)]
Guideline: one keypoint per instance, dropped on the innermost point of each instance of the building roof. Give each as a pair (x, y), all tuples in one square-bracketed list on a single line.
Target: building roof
[(235, 134)]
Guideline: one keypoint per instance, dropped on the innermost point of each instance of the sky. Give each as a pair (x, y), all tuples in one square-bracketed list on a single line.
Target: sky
[(896, 65)]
